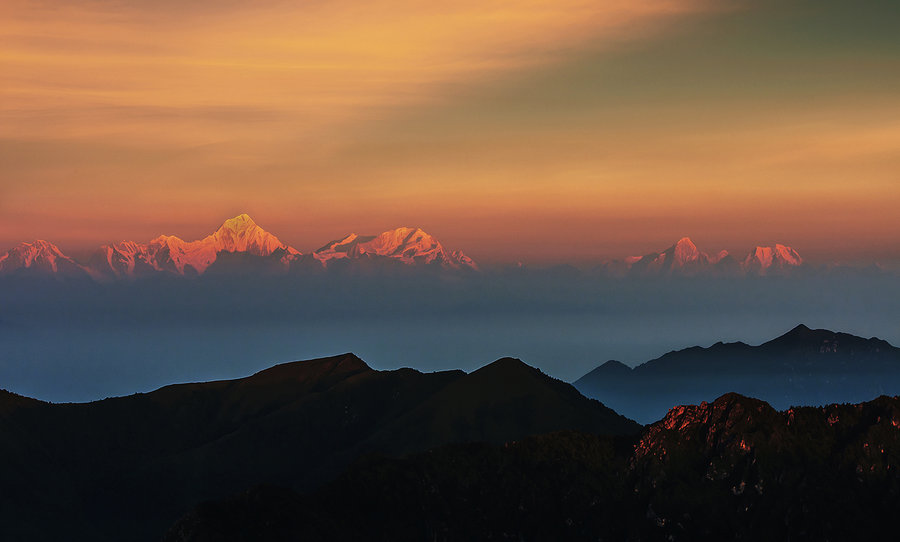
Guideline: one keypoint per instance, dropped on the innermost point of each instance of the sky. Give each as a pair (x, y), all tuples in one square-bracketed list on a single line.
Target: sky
[(536, 131)]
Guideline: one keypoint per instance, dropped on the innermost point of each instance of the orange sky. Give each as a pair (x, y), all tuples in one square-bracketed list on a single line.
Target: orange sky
[(538, 131)]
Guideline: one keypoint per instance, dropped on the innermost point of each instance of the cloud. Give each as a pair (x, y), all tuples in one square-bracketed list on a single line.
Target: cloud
[(324, 62), (623, 118)]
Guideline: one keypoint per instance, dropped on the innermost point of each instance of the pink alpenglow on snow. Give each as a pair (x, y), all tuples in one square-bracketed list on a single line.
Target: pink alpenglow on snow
[(407, 245), (169, 253), (682, 257), (39, 257), (764, 260)]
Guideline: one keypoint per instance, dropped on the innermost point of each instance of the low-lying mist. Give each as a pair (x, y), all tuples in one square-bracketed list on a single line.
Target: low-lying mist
[(81, 340)]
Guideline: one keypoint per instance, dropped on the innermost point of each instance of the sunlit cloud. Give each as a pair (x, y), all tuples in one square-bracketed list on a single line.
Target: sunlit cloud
[(316, 62)]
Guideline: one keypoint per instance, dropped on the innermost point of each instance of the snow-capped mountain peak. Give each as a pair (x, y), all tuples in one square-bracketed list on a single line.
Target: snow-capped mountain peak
[(171, 254), (38, 253), (788, 255), (684, 252), (722, 254), (39, 256), (240, 245), (405, 245), (681, 257), (685, 258), (242, 234), (340, 248), (768, 259), (239, 223)]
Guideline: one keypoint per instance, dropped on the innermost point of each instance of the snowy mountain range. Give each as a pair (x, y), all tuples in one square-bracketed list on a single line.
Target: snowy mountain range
[(40, 257), (168, 254), (241, 242), (684, 258), (410, 246)]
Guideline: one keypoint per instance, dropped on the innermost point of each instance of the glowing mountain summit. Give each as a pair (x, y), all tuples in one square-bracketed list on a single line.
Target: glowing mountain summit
[(682, 257), (409, 246), (255, 249), (168, 253), (766, 260), (41, 257), (242, 234)]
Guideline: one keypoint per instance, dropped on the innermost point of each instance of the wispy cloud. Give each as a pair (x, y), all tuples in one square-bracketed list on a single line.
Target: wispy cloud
[(319, 61), (99, 93)]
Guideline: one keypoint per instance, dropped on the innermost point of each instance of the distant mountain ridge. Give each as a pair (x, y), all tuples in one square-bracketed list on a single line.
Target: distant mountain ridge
[(801, 367), (241, 244), (168, 253), (684, 258), (410, 246), (40, 257), (171, 255)]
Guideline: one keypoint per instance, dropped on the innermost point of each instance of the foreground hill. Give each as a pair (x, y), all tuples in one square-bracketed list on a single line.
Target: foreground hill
[(735, 469), (127, 467), (802, 367)]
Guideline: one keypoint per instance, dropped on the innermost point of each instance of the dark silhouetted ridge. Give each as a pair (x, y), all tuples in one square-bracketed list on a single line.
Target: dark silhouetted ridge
[(504, 365), (134, 464), (801, 367), (611, 368), (321, 369), (507, 400), (732, 469), (12, 401), (802, 338)]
